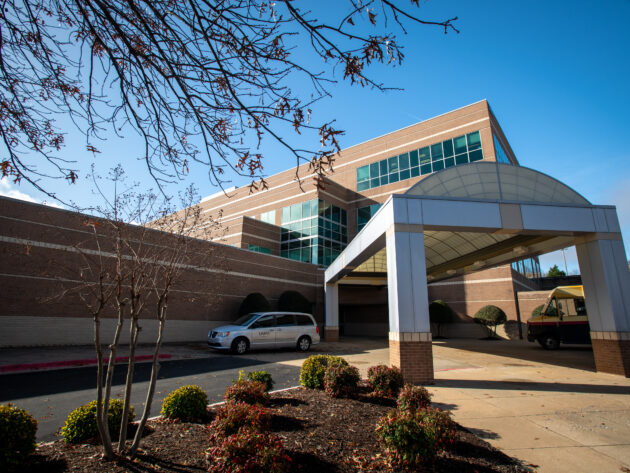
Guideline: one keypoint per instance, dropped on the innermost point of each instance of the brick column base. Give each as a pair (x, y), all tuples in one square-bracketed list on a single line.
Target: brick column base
[(611, 351), (331, 334), (413, 354)]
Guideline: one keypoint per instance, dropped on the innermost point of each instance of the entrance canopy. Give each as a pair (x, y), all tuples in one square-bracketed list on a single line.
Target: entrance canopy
[(478, 216)]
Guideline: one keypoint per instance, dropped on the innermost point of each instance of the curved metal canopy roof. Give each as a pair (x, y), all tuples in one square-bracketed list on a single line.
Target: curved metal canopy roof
[(497, 182)]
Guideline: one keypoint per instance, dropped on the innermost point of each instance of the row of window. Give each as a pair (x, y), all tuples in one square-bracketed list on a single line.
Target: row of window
[(364, 214), (314, 208), (259, 249), (314, 250), (459, 150), (502, 156), (528, 267), (314, 227), (269, 217)]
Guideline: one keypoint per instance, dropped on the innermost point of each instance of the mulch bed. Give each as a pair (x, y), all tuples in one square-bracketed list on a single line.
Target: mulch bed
[(320, 434)]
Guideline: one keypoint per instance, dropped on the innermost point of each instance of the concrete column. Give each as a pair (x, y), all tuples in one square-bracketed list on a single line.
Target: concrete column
[(331, 330), (606, 279), (409, 327)]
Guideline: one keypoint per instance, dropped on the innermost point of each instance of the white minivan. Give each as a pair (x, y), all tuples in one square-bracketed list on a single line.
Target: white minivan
[(266, 330)]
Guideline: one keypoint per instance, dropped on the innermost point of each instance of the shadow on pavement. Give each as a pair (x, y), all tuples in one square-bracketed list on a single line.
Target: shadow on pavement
[(42, 383), (531, 386)]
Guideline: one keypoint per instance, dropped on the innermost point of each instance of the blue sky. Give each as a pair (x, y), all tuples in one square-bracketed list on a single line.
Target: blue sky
[(556, 74)]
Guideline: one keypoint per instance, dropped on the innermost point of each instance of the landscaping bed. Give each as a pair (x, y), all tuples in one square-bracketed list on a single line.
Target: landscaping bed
[(320, 434)]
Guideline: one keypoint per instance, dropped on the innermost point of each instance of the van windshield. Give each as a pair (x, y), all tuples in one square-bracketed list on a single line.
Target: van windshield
[(245, 319)]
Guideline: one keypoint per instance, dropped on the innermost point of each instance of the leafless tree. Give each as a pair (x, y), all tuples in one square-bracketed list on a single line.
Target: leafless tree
[(137, 252), (198, 80)]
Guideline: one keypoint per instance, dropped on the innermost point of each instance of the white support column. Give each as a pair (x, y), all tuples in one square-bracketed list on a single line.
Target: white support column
[(409, 327), (331, 329), (606, 280)]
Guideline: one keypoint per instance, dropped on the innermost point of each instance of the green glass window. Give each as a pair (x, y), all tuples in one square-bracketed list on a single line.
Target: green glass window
[(460, 144), (385, 180), (476, 155), (306, 209), (363, 173), (415, 171), (393, 165), (426, 169), (374, 182), (438, 166), (296, 211), (413, 158), (405, 174), (403, 160), (383, 166), (436, 152), (286, 214), (474, 140), (461, 159), (425, 155), (362, 186), (344, 217), (448, 148), (394, 177), (449, 162), (314, 207), (335, 213), (374, 170)]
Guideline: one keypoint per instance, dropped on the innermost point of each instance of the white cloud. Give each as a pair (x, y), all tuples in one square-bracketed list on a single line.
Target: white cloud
[(7, 189)]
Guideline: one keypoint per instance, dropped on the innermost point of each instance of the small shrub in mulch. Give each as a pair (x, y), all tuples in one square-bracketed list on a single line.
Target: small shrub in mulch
[(248, 451), (385, 381), (17, 436), (413, 398), (490, 316), (413, 439), (81, 423), (249, 392), (341, 380), (261, 377), (314, 369), (187, 404), (234, 416)]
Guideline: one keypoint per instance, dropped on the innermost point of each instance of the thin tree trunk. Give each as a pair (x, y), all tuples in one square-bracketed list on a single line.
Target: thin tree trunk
[(133, 341), (102, 427)]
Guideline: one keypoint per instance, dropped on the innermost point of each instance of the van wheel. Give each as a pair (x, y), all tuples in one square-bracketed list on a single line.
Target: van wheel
[(240, 346), (549, 342), (304, 343)]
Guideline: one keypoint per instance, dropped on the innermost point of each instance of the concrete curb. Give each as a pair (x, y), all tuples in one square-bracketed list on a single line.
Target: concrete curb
[(50, 365)]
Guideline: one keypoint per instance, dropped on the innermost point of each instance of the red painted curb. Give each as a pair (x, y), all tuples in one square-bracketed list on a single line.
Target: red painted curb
[(67, 363)]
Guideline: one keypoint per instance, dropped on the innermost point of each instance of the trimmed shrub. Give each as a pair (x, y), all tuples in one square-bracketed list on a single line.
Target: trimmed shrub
[(254, 302), (314, 369), (261, 377), (234, 416), (249, 392), (440, 313), (490, 316), (385, 381), (293, 301), (413, 439), (81, 423), (17, 436), (341, 380), (187, 404), (537, 310), (413, 398), (551, 311), (248, 451)]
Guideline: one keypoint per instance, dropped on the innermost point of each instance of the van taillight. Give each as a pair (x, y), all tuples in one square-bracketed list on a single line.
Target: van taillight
[(317, 328)]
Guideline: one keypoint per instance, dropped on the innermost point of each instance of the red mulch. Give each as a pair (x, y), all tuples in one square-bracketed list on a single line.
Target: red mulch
[(320, 434)]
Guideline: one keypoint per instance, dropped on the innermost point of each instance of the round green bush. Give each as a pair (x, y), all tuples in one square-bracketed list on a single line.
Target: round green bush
[(413, 398), (234, 416), (249, 392), (385, 381), (490, 316), (293, 301), (413, 439), (341, 380), (187, 404), (314, 369), (254, 302), (440, 312), (537, 310), (81, 423), (261, 377), (17, 436)]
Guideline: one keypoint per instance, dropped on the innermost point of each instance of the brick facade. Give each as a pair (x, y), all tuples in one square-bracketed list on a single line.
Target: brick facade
[(413, 357), (612, 355), (331, 334)]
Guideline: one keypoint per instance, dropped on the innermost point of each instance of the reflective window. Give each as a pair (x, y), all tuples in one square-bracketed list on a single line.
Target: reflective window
[(259, 249), (502, 156), (284, 320), (269, 217), (364, 214)]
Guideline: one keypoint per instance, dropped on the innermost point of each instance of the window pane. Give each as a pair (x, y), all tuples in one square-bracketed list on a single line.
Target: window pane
[(284, 320), (344, 217), (474, 140), (304, 320), (403, 160), (306, 209), (404, 174), (294, 255), (314, 207), (476, 155), (460, 144), (383, 166), (438, 165), (374, 170), (426, 169), (449, 162), (306, 255), (393, 178), (286, 214), (415, 171), (363, 215), (393, 165), (425, 155), (296, 212), (385, 179), (448, 148), (336, 213), (374, 208), (363, 173), (436, 152), (362, 186), (461, 159), (374, 182), (413, 158)]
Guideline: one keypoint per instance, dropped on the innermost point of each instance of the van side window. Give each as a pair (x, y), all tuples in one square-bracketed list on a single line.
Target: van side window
[(263, 322), (284, 320), (304, 320)]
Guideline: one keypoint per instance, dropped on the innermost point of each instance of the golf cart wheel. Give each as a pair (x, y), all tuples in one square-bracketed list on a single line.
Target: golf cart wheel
[(549, 342)]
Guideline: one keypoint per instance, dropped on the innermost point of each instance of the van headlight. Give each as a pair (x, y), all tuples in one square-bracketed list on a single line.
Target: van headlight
[(223, 334)]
